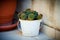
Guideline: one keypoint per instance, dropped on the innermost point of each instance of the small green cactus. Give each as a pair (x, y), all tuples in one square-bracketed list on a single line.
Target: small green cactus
[(27, 12), (28, 9), (35, 14), (31, 16), (23, 16), (39, 16)]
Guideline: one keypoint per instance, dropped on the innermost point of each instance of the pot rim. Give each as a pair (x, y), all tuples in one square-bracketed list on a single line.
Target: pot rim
[(29, 20), (9, 27)]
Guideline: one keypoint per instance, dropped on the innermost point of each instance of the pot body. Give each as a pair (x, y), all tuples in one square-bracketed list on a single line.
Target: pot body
[(30, 28), (7, 10)]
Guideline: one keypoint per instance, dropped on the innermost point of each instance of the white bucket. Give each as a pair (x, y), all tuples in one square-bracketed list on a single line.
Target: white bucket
[(30, 28)]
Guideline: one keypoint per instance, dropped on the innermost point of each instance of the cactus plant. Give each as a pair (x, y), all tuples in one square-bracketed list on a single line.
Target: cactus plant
[(23, 16), (28, 14), (35, 14), (31, 16), (27, 11), (39, 16)]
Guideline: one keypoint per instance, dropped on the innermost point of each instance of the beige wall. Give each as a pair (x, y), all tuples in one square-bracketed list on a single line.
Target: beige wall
[(57, 13), (51, 16)]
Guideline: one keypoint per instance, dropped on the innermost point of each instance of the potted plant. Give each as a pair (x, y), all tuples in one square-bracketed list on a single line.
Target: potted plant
[(30, 22), (7, 11)]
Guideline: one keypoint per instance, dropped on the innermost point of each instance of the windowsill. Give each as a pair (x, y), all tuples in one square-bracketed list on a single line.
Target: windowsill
[(15, 35)]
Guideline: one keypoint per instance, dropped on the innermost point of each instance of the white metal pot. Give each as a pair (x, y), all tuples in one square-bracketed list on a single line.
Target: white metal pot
[(30, 28)]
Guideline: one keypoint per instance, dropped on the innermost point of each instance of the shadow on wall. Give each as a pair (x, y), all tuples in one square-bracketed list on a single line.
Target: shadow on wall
[(23, 4)]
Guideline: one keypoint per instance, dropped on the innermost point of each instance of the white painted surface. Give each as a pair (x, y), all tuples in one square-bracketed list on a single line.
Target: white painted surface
[(30, 27), (13, 35)]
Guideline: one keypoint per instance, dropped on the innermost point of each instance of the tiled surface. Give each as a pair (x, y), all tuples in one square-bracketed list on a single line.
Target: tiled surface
[(14, 35)]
